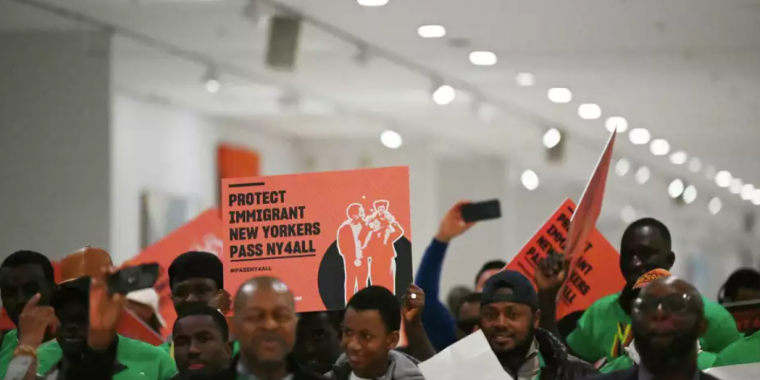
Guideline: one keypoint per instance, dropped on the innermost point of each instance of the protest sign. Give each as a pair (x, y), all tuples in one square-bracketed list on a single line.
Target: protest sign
[(584, 219), (469, 358), (596, 274), (326, 235), (736, 372), (746, 314), (133, 327), (203, 233)]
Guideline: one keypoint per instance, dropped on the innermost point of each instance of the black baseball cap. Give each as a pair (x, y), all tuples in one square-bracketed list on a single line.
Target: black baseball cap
[(521, 289)]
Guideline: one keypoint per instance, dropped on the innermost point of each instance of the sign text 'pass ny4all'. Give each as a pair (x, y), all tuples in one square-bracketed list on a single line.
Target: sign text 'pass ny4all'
[(326, 235)]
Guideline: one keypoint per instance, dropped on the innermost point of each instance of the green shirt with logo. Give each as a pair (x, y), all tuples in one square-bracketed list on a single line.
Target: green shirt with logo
[(604, 330), (142, 360)]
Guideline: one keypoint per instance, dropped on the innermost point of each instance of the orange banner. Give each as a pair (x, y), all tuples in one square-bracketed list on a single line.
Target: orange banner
[(326, 235), (203, 233), (594, 275)]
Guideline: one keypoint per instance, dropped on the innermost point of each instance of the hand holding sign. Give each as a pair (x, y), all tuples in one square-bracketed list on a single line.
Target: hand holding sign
[(552, 272), (453, 224)]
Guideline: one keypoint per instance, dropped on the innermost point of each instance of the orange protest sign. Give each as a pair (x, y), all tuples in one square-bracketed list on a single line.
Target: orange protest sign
[(326, 235), (203, 233), (133, 327), (596, 274), (590, 206)]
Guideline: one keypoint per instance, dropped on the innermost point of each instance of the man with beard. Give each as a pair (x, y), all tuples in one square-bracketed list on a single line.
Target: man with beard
[(604, 330), (201, 342), (198, 277), (667, 319), (509, 319), (265, 325), (318, 340), (631, 356), (22, 275)]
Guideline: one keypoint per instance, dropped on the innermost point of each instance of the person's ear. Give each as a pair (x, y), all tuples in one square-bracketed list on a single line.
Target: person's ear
[(393, 339), (228, 348), (536, 318), (704, 324), (671, 260)]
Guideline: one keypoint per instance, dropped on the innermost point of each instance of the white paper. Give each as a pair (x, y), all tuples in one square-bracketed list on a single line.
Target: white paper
[(470, 358), (736, 372)]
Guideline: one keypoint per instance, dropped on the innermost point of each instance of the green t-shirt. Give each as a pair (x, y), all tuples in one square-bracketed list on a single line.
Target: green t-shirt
[(10, 341), (745, 351), (604, 329), (167, 347), (705, 360), (142, 360)]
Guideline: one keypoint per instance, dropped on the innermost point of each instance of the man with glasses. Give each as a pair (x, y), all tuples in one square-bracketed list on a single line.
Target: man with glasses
[(667, 321)]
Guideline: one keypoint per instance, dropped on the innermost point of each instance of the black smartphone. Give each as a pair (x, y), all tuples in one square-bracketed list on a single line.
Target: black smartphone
[(133, 278), (486, 210)]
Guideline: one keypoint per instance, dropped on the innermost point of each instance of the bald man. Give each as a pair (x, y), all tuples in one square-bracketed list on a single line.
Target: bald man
[(667, 321), (265, 325)]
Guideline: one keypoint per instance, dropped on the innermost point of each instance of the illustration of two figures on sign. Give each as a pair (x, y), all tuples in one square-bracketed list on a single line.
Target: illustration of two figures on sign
[(366, 244)]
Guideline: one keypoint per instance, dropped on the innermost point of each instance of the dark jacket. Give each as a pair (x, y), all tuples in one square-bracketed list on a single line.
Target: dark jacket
[(633, 374), (558, 365)]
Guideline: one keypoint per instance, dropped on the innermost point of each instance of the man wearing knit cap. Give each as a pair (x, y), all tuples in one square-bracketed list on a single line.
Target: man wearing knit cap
[(198, 277), (509, 318)]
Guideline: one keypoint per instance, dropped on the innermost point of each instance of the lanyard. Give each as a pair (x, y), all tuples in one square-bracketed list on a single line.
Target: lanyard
[(622, 339)]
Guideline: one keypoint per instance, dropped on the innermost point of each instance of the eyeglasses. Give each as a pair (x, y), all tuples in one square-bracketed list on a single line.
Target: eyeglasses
[(674, 304)]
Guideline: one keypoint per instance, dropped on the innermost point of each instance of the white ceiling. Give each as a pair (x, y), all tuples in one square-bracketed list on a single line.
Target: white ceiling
[(687, 70)]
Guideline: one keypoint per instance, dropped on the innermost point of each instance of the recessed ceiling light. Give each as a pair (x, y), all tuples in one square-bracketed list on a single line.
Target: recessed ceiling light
[(589, 111), (723, 178), (676, 188), (628, 214), (639, 136), (695, 164), (372, 3), (689, 194), (748, 190), (483, 58), (529, 179), (525, 79), (715, 205), (616, 122), (642, 175), (560, 95), (756, 198), (431, 31), (622, 167), (552, 137), (444, 95), (736, 186), (391, 139), (659, 147), (679, 157), (213, 86)]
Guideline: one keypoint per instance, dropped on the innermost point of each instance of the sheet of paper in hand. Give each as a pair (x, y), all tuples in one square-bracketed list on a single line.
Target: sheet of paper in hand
[(736, 372), (470, 358)]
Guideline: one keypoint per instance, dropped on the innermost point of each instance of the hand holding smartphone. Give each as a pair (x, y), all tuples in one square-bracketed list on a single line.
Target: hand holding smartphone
[(486, 210), (133, 278)]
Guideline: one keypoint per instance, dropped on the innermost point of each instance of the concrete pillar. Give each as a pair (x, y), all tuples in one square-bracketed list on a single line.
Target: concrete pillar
[(54, 141)]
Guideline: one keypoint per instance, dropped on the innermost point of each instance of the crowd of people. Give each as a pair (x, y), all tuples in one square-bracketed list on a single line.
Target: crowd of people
[(658, 327)]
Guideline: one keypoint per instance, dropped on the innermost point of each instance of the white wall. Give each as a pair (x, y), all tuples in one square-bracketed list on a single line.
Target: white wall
[(172, 150), (54, 146)]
